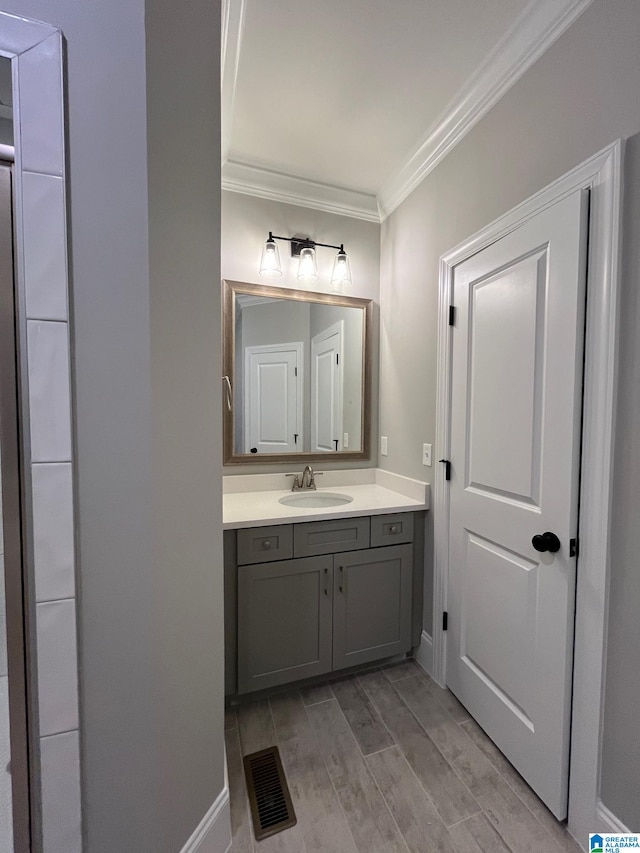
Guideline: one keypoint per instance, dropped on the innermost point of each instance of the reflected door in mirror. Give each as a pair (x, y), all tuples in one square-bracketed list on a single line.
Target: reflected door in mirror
[(326, 389), (273, 398)]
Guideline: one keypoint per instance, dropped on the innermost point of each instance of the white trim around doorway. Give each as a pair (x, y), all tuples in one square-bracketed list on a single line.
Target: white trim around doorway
[(602, 175)]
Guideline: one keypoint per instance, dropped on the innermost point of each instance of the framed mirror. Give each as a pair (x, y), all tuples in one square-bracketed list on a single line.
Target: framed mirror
[(297, 374)]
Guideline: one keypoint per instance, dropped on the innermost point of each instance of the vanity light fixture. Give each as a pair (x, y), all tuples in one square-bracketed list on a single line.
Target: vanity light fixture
[(307, 266), (341, 274), (270, 260), (305, 249)]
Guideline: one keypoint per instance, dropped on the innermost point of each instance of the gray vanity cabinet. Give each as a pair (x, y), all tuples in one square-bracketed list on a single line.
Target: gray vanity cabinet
[(310, 598), (284, 621), (371, 605)]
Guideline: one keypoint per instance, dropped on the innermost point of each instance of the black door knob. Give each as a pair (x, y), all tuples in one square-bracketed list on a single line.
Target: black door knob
[(546, 542)]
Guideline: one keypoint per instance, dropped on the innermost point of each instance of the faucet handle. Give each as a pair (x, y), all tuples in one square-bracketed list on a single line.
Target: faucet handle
[(296, 483), (312, 478)]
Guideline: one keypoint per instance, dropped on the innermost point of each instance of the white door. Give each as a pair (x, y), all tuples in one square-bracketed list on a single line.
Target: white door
[(326, 389), (515, 439), (273, 398)]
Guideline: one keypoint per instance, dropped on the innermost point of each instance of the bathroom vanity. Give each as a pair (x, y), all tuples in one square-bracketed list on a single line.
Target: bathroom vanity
[(316, 580), (310, 591)]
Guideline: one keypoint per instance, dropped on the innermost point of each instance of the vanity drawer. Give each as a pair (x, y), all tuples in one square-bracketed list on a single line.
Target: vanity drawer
[(389, 529), (263, 544), (313, 538)]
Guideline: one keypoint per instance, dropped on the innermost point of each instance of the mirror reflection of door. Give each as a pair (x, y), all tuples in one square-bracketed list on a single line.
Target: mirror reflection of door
[(327, 365), (273, 398)]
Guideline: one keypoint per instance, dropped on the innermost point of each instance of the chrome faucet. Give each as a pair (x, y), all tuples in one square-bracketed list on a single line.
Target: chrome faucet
[(305, 481)]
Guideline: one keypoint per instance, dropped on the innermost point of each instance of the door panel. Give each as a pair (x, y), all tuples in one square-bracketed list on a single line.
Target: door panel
[(504, 667), (284, 621), (515, 438), (506, 316), (372, 604)]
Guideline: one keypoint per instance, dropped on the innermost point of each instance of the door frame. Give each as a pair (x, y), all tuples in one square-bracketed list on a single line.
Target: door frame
[(602, 175), (252, 349)]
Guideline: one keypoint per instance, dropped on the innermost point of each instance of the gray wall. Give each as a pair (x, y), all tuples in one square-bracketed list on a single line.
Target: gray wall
[(186, 583), (246, 222), (580, 96), (144, 228)]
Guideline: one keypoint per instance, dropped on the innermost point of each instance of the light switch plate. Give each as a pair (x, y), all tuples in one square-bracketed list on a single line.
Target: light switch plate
[(426, 455), (383, 445)]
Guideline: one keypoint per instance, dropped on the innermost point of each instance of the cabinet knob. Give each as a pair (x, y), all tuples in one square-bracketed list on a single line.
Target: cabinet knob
[(266, 544), (393, 529)]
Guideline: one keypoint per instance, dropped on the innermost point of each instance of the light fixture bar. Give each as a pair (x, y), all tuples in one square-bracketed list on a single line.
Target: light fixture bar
[(304, 242)]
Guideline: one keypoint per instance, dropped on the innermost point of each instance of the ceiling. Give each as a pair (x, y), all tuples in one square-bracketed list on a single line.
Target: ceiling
[(351, 96)]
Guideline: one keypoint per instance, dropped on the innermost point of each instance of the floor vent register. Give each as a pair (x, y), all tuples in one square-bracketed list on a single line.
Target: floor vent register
[(271, 806)]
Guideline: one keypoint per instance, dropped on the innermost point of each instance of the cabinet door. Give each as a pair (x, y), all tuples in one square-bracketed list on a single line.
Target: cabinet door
[(284, 621), (372, 604)]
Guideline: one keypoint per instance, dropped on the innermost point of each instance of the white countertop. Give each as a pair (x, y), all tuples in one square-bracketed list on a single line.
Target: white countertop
[(244, 506)]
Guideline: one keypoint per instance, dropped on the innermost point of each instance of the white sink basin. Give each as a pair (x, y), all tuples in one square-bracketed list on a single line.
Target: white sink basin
[(313, 500)]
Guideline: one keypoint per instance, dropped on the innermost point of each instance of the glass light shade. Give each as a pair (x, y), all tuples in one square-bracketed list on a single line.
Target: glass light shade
[(270, 260), (341, 274), (307, 269)]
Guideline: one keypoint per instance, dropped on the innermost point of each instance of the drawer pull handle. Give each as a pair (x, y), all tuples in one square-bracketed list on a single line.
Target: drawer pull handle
[(266, 544), (326, 581), (341, 568), (393, 529)]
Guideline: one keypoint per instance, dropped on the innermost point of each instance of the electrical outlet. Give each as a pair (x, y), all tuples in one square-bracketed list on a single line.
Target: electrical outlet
[(345, 441), (426, 455), (383, 445)]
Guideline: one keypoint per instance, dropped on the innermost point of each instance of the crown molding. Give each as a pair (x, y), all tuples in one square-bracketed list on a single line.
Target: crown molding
[(252, 180), (232, 26), (540, 24)]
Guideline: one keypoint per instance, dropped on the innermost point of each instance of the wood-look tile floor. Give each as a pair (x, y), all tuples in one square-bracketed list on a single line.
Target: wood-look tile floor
[(386, 761)]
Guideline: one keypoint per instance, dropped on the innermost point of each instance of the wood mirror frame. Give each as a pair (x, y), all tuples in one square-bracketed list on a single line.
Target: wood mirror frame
[(229, 290)]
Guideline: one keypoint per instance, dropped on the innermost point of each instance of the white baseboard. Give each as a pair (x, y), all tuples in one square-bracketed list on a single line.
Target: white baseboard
[(424, 653), (213, 833), (608, 821)]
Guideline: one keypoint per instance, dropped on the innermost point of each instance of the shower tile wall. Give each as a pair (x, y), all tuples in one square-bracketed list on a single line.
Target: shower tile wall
[(43, 286), (51, 469)]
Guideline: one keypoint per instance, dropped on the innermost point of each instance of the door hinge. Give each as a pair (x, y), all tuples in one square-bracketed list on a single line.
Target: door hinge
[(452, 315), (445, 620), (573, 547), (447, 468)]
